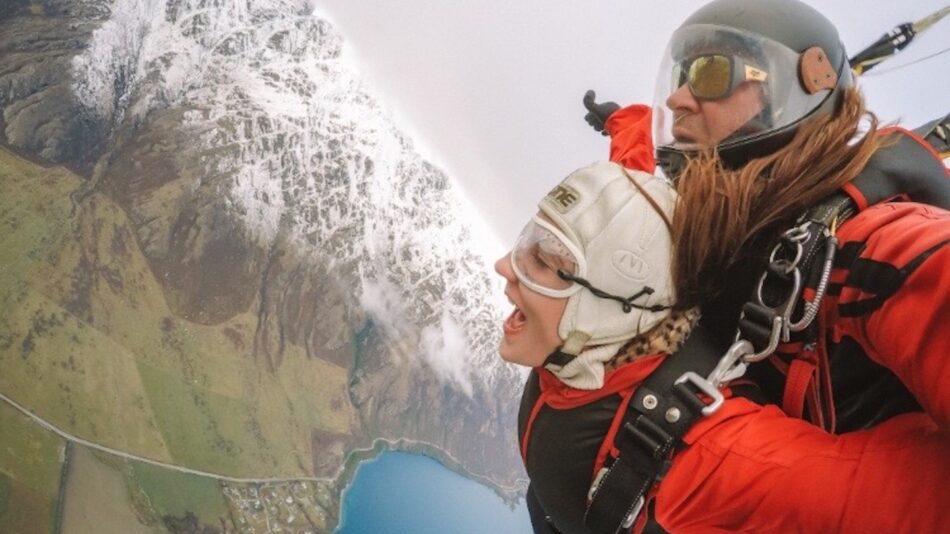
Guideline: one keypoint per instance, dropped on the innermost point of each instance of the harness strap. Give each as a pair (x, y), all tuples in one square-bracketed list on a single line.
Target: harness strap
[(666, 405), (827, 392), (801, 373), (663, 409), (815, 404)]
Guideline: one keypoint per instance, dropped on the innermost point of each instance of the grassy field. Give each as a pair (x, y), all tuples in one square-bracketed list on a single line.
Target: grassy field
[(5, 484), (97, 501), (88, 342), (30, 463), (203, 429), (171, 493), (57, 358)]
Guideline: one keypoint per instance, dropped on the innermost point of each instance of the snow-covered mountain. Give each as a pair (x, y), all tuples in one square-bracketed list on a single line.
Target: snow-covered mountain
[(306, 151), (274, 199)]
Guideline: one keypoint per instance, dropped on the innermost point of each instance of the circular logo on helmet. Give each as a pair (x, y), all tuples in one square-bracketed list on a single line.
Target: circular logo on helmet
[(630, 265)]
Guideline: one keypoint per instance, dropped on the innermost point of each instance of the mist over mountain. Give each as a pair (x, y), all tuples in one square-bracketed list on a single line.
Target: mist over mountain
[(228, 158)]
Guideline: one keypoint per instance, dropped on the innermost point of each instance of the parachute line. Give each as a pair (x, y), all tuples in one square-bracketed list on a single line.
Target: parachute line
[(898, 67)]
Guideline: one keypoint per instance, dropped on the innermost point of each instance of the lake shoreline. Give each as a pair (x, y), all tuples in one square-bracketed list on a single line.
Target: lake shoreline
[(414, 491), (512, 495)]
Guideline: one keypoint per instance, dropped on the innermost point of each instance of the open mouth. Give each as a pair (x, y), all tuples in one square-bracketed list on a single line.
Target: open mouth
[(515, 322)]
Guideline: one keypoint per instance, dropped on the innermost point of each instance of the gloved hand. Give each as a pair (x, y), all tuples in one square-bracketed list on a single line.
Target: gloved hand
[(597, 114)]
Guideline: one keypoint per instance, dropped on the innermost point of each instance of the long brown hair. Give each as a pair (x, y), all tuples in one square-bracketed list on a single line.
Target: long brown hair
[(723, 216)]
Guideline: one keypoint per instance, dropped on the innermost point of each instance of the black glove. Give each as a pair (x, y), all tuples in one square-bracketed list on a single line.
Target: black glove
[(597, 114)]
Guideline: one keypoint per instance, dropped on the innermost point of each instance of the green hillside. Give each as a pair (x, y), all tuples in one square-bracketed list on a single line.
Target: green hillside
[(88, 343)]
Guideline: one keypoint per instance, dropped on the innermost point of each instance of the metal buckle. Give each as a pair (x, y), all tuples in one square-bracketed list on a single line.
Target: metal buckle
[(778, 326), (732, 365), (706, 387), (596, 484), (795, 239), (782, 321), (632, 516)]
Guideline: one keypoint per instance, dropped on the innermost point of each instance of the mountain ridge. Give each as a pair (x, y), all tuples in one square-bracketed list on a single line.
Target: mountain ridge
[(230, 241)]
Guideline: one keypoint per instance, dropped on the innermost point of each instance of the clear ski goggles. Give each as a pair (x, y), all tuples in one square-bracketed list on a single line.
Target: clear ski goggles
[(715, 76), (545, 260)]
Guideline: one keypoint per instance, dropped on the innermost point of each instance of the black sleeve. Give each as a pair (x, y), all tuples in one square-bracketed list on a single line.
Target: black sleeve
[(539, 519)]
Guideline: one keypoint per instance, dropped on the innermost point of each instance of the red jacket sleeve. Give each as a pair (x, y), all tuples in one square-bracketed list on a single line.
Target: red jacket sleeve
[(764, 472), (631, 141), (895, 297)]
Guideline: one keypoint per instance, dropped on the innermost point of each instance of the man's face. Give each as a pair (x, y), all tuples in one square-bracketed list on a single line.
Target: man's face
[(708, 122)]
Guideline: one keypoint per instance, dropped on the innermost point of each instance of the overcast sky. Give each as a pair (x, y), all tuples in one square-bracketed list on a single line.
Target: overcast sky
[(491, 90)]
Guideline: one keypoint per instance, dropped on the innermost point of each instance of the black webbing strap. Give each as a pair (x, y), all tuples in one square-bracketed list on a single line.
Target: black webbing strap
[(559, 358), (659, 415)]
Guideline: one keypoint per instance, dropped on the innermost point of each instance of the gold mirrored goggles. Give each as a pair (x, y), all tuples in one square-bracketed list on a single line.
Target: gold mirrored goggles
[(715, 76)]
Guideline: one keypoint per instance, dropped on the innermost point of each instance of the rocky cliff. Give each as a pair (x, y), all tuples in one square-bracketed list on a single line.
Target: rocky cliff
[(246, 243)]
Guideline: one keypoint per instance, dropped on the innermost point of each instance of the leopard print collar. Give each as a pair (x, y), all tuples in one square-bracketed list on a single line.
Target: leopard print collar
[(666, 337)]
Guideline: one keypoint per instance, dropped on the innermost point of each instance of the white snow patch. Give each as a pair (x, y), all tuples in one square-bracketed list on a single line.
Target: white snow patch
[(260, 196), (107, 70)]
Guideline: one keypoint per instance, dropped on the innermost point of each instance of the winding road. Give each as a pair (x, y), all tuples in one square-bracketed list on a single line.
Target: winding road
[(76, 439)]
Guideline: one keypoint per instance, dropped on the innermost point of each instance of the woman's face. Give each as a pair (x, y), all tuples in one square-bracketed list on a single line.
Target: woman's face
[(530, 332)]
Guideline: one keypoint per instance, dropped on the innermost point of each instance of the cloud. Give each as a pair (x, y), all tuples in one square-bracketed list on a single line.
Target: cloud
[(445, 350), (384, 301)]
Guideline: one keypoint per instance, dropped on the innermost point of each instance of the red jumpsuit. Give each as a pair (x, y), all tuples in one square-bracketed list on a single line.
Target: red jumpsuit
[(754, 469)]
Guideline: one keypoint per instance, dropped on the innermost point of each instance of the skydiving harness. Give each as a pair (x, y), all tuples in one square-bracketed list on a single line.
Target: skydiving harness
[(687, 387), (784, 311)]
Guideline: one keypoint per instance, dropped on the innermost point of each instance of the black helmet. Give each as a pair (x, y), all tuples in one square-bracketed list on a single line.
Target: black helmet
[(792, 55)]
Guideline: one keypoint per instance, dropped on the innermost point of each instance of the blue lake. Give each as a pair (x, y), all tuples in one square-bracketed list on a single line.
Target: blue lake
[(403, 493)]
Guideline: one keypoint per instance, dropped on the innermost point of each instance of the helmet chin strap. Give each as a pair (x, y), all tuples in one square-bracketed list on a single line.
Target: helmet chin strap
[(584, 369), (566, 353)]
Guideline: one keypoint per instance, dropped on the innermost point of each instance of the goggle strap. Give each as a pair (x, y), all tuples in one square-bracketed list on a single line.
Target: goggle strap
[(627, 303)]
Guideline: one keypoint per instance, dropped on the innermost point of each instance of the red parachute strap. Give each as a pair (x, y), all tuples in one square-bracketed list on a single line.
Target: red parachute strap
[(607, 446), (800, 374), (809, 380), (824, 371), (815, 412)]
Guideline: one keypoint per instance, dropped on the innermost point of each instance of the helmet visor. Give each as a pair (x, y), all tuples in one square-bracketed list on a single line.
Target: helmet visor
[(541, 253), (720, 86)]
